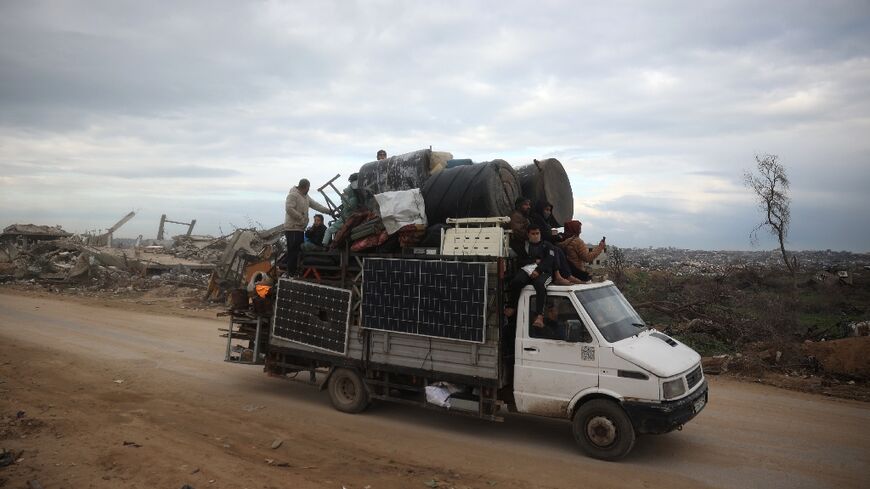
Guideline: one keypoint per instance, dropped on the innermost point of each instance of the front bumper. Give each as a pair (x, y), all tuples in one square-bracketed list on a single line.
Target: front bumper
[(665, 416)]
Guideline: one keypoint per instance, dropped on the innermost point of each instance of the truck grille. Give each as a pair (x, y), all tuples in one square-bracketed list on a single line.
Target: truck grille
[(693, 378)]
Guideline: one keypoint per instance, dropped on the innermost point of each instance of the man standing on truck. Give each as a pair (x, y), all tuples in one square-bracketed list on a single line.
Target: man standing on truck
[(535, 258), (296, 220)]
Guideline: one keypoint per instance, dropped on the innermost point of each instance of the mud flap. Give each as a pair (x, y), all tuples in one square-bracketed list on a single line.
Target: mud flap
[(326, 380)]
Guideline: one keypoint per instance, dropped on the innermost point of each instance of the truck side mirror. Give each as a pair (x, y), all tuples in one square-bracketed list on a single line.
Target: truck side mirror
[(577, 333)]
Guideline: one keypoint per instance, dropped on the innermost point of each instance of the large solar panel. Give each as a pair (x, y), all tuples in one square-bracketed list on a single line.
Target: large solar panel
[(444, 299), (312, 314)]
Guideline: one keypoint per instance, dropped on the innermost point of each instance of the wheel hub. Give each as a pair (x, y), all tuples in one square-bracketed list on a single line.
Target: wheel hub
[(601, 431), (347, 390)]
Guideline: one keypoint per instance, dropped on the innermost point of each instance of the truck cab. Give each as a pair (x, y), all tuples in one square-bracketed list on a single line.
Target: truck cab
[(594, 361)]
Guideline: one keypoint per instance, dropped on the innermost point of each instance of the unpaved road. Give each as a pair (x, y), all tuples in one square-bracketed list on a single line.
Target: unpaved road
[(90, 378)]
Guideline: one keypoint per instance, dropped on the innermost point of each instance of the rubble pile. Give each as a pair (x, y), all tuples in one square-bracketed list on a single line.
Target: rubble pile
[(42, 255), (56, 260), (203, 248)]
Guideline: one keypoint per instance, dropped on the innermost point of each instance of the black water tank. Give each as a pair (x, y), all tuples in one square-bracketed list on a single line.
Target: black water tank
[(547, 180), (480, 190), (400, 172)]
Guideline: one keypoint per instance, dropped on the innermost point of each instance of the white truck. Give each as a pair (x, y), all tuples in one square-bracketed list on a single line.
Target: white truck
[(595, 363)]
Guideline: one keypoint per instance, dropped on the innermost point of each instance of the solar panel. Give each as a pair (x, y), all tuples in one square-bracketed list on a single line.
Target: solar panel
[(312, 314), (443, 299)]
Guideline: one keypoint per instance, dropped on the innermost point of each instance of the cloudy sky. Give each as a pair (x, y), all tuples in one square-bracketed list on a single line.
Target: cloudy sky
[(212, 110)]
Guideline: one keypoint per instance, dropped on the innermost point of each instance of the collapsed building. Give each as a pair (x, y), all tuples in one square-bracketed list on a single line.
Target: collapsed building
[(54, 256)]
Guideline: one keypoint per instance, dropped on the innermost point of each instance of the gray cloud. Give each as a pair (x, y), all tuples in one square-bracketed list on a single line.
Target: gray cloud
[(654, 110)]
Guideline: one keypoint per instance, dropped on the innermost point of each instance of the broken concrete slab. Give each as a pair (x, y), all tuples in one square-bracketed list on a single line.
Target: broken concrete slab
[(34, 230)]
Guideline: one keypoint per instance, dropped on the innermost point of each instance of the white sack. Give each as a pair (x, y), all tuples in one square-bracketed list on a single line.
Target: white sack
[(401, 208), (439, 393)]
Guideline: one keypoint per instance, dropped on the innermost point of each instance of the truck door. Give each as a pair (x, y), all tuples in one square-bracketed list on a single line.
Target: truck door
[(555, 362)]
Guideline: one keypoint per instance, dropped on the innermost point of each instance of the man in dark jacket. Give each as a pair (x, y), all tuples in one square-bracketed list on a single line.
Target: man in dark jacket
[(535, 258), (314, 234), (519, 224)]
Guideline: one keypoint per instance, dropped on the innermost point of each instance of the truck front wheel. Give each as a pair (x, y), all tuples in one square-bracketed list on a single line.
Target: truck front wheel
[(603, 430), (348, 391)]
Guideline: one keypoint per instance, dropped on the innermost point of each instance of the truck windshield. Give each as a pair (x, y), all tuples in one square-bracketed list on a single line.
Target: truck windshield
[(611, 312)]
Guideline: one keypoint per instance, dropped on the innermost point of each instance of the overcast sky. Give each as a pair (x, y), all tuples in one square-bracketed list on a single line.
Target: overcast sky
[(212, 110)]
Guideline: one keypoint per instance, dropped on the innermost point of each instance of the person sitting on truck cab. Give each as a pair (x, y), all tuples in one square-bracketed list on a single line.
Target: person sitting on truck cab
[(382, 154), (577, 252), (535, 258), (519, 224), (542, 215)]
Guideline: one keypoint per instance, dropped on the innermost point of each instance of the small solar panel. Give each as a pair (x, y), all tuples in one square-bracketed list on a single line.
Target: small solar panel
[(312, 314), (443, 299)]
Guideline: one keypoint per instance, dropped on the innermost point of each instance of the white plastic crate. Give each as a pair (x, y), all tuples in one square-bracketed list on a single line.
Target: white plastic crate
[(476, 237)]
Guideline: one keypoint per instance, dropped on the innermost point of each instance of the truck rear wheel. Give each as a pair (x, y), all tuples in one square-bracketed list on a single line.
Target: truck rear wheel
[(348, 391), (603, 430)]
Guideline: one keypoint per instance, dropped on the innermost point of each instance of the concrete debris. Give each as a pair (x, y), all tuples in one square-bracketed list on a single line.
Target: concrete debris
[(245, 253), (32, 232), (32, 254)]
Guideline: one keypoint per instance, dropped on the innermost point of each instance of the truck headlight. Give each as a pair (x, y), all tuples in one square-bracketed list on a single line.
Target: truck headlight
[(673, 388)]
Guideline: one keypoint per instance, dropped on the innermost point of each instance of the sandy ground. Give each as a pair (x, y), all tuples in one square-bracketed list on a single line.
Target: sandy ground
[(78, 381)]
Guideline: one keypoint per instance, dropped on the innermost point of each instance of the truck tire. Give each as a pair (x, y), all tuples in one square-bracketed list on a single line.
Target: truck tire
[(347, 391), (603, 430)]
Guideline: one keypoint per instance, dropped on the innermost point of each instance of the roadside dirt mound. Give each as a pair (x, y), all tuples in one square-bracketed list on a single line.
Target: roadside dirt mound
[(848, 356)]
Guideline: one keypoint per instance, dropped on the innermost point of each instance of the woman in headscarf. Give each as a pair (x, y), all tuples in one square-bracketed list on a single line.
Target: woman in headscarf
[(542, 216), (576, 251)]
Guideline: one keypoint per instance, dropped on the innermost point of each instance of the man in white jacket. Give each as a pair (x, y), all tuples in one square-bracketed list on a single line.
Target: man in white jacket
[(296, 220)]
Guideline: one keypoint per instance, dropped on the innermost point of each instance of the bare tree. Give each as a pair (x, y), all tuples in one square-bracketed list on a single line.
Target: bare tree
[(616, 265), (770, 184)]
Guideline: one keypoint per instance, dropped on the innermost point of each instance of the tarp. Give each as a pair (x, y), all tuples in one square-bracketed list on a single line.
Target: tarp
[(400, 208)]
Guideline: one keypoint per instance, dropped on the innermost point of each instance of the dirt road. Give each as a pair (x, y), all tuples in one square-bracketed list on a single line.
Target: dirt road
[(90, 379)]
